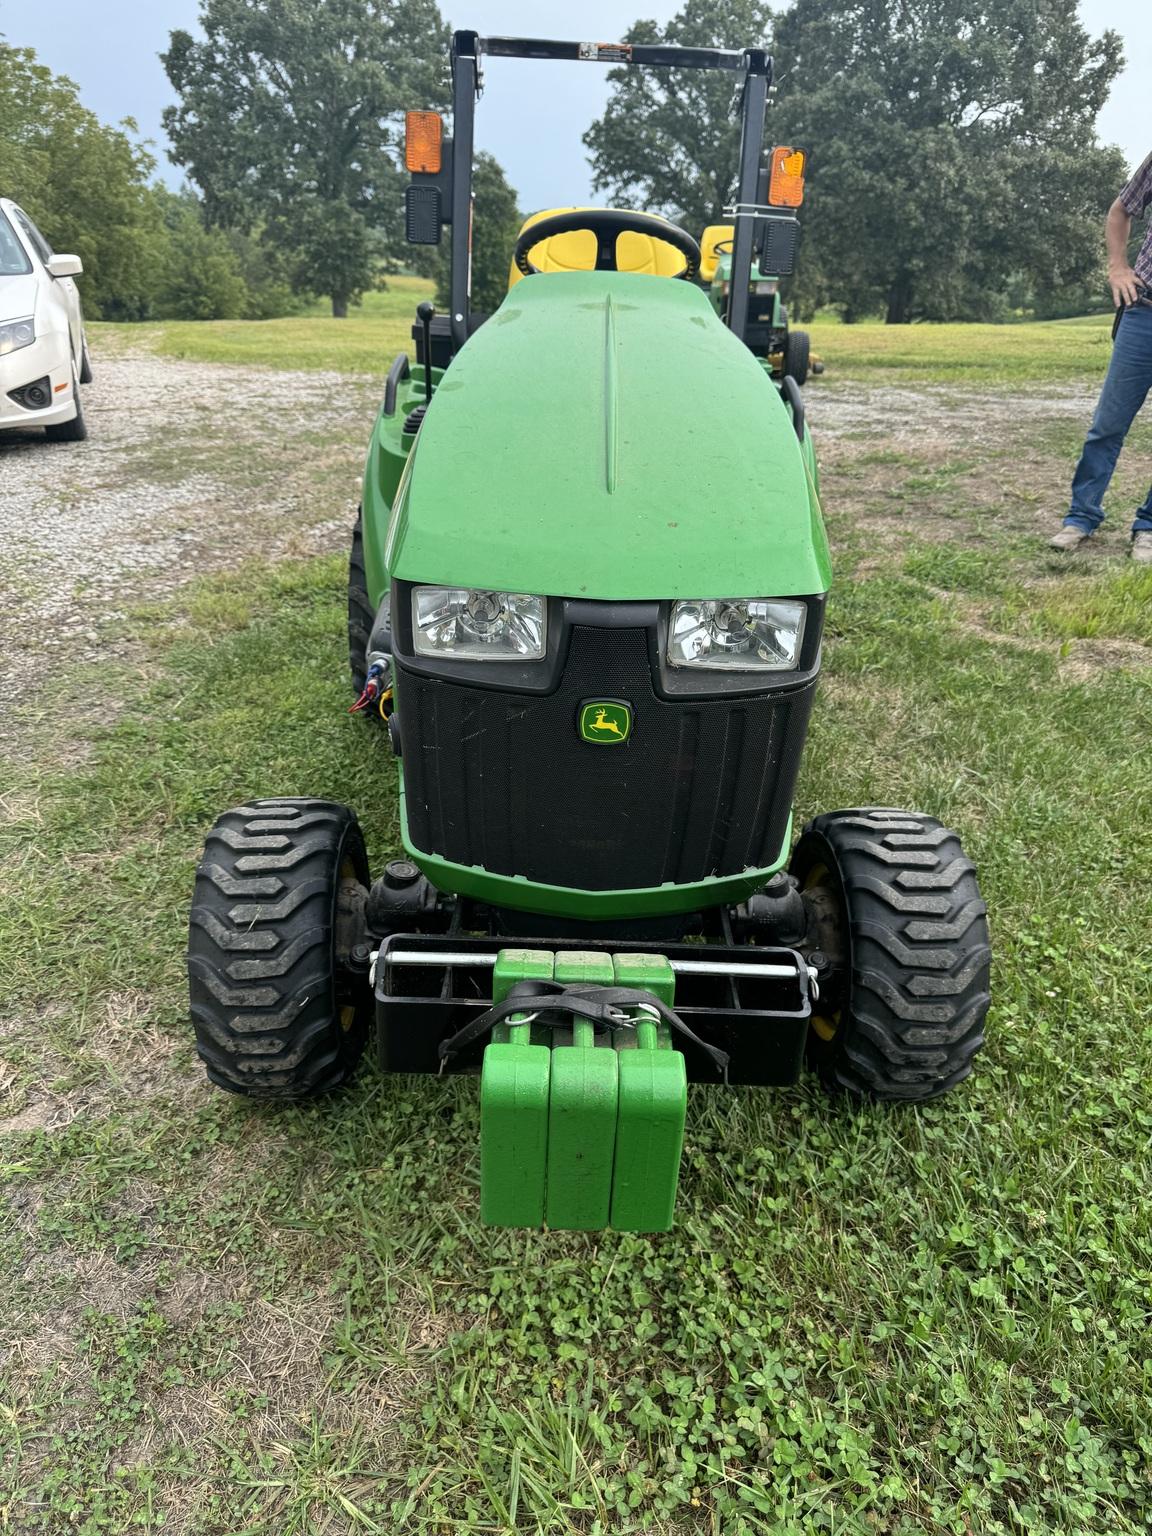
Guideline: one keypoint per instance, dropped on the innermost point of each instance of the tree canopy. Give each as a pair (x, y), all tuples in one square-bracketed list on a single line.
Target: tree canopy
[(953, 144), (953, 147), (669, 139), (289, 118), (84, 183), (495, 225)]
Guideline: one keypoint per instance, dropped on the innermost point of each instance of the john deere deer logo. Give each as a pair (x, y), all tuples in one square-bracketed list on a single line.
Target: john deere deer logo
[(605, 722)]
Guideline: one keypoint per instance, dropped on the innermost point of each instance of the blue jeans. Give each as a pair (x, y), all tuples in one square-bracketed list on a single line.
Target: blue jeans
[(1125, 389)]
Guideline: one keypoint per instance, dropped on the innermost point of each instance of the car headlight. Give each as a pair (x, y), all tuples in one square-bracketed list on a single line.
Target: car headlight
[(748, 634), (474, 624), (15, 334)]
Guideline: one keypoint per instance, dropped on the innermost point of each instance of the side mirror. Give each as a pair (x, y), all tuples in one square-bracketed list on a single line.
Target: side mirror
[(64, 266)]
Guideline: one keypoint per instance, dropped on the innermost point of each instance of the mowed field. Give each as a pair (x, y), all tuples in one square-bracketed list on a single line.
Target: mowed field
[(1056, 353), (219, 1319)]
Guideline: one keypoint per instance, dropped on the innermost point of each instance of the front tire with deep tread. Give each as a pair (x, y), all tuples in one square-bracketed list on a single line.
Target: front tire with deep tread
[(904, 1015), (280, 1003)]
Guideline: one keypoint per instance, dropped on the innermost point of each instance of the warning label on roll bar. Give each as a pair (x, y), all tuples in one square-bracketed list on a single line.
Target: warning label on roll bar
[(607, 53)]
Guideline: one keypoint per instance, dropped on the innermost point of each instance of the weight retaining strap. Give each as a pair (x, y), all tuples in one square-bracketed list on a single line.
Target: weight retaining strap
[(553, 1002)]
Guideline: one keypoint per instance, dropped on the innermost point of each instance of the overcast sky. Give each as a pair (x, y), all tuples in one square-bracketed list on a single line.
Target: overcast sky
[(532, 114)]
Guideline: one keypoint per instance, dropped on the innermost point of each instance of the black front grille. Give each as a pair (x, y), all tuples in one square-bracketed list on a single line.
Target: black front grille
[(702, 787)]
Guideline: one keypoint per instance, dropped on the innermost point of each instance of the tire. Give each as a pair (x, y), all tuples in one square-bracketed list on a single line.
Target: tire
[(85, 363), (895, 906), (797, 349), (280, 1008), (361, 614), (74, 431), (361, 619)]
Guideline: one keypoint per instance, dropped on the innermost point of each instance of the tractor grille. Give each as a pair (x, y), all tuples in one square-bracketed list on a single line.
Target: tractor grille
[(702, 787)]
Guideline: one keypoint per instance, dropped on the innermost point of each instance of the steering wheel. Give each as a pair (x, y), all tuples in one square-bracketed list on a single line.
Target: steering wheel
[(607, 224)]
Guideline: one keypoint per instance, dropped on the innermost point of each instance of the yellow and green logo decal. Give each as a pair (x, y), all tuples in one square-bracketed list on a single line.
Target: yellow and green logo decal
[(605, 722)]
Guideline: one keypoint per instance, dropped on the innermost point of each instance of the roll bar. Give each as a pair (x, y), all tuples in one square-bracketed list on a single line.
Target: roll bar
[(468, 52)]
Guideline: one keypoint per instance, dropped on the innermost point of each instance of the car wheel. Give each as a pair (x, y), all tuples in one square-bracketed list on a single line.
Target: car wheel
[(76, 430)]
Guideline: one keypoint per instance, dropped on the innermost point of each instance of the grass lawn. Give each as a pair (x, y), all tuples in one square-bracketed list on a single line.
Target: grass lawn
[(1041, 353), (227, 1320), (365, 342), (1053, 352)]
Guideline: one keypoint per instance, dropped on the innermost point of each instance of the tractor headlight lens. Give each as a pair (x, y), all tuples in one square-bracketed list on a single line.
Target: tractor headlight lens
[(745, 634), (15, 334), (473, 624)]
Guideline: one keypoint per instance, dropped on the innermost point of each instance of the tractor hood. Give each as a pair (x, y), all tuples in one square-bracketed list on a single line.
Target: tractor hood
[(604, 435)]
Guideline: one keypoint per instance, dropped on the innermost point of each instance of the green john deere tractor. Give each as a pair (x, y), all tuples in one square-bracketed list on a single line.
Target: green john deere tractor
[(783, 350), (585, 609), (782, 347)]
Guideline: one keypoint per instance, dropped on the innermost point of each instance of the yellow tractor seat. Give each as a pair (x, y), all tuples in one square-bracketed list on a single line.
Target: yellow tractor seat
[(576, 251), (713, 237)]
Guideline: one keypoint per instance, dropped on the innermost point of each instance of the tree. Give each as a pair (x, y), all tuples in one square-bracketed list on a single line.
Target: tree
[(953, 147), (495, 225), (84, 184), (669, 140), (265, 274), (288, 119), (202, 278)]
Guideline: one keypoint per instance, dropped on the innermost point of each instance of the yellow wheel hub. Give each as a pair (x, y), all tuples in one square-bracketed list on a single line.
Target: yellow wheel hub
[(825, 1025)]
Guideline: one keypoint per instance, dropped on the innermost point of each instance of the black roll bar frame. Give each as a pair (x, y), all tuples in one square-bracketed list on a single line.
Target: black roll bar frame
[(468, 51)]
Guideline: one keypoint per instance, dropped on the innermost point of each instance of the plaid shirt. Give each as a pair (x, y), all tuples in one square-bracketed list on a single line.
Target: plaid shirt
[(1136, 196)]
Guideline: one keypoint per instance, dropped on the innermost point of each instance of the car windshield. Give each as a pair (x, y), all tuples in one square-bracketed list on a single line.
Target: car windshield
[(13, 257)]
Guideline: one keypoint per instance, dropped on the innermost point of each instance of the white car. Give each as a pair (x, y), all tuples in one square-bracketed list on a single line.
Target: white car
[(43, 352)]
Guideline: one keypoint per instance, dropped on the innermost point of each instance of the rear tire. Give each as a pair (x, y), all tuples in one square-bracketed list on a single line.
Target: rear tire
[(74, 431), (895, 907), (797, 353), (280, 999)]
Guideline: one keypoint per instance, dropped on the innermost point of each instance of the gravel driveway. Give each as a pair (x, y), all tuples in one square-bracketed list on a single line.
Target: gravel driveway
[(189, 467), (194, 467)]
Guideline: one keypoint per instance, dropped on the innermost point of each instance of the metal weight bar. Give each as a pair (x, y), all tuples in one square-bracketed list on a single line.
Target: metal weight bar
[(681, 967)]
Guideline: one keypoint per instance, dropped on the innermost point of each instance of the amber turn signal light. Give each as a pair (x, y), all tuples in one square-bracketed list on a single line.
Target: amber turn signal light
[(786, 177), (423, 134)]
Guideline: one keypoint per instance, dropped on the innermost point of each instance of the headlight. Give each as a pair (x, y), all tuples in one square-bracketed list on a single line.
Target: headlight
[(747, 634), (15, 334), (473, 624)]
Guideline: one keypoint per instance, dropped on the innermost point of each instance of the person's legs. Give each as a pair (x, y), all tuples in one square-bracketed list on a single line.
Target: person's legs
[(1125, 390)]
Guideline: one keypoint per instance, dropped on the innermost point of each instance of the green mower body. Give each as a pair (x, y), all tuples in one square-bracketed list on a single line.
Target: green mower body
[(592, 440), (590, 444), (586, 605)]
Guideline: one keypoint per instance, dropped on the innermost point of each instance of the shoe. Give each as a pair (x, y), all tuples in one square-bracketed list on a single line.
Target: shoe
[(1069, 538), (1141, 550)]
